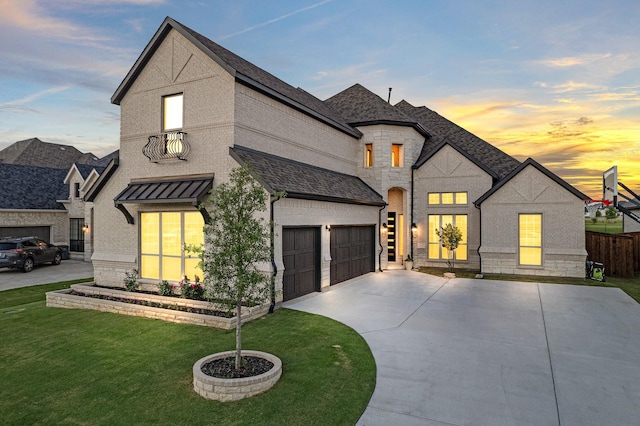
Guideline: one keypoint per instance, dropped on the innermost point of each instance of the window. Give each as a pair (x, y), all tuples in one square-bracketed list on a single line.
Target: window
[(530, 236), (368, 155), (436, 251), (448, 198), (162, 238), (76, 237), (172, 112), (396, 155), (76, 189)]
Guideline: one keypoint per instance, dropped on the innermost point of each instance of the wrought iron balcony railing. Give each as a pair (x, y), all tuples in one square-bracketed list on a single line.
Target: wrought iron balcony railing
[(167, 145)]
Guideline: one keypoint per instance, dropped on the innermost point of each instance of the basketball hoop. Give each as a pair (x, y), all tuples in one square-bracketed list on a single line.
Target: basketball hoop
[(593, 206)]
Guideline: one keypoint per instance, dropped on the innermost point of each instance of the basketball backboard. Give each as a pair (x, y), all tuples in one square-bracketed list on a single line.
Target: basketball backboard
[(610, 185)]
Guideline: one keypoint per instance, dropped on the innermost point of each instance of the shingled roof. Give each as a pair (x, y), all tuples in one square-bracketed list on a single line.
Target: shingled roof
[(361, 107), (34, 152), (442, 129), (31, 187), (244, 72), (300, 180)]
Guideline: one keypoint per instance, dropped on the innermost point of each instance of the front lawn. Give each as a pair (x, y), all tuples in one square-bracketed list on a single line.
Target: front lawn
[(62, 366)]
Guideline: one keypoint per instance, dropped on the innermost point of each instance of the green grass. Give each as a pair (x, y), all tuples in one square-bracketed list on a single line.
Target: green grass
[(21, 296), (631, 286), (61, 366), (613, 227)]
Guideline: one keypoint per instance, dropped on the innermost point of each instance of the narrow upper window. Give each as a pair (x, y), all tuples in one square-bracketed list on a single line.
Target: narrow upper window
[(172, 112), (76, 189), (396, 155), (530, 236), (368, 155), (458, 198)]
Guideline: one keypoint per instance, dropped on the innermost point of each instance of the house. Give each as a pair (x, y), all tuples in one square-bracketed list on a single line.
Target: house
[(46, 200), (34, 152), (629, 223), (367, 182)]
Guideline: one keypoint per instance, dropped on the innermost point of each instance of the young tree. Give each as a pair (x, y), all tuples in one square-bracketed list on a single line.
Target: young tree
[(450, 237), (236, 241), (610, 214)]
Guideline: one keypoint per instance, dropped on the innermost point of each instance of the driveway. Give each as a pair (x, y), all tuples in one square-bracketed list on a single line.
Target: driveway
[(45, 274), (482, 352)]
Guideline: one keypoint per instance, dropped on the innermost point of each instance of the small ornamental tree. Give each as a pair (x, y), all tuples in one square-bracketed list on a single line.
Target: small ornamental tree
[(236, 241), (610, 214), (450, 237)]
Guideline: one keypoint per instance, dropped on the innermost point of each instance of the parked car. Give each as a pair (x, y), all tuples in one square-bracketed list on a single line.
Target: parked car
[(26, 252)]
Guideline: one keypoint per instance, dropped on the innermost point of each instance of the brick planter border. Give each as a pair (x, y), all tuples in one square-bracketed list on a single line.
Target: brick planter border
[(62, 299), (234, 389)]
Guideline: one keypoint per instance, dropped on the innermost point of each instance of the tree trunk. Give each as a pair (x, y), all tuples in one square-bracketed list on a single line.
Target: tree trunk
[(238, 336)]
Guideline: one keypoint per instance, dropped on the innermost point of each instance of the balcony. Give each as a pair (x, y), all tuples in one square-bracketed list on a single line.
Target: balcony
[(167, 146)]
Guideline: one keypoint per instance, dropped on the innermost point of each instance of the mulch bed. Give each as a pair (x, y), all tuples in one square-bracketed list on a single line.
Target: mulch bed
[(224, 368), (203, 311)]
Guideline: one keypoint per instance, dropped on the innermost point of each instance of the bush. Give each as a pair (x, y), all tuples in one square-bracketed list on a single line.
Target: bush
[(164, 288), (131, 280), (189, 290)]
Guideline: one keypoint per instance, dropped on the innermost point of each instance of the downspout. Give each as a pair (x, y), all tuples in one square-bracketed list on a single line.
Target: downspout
[(479, 245), (412, 219), (273, 255), (380, 238)]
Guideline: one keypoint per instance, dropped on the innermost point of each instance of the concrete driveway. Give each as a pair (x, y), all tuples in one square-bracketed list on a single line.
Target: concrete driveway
[(482, 352), (45, 274)]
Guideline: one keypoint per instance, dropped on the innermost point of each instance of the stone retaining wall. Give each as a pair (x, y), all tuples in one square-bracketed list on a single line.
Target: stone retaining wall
[(235, 389), (62, 299)]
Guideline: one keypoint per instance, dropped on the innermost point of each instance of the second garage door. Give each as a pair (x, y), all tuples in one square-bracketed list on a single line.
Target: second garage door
[(301, 258), (352, 252)]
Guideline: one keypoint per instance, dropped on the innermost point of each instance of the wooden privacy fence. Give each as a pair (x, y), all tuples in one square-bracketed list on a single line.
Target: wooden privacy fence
[(620, 253)]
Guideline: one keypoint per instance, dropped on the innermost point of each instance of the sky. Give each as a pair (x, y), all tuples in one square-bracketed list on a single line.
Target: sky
[(558, 81)]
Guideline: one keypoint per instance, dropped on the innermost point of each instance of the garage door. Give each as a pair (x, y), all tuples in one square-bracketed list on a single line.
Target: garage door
[(301, 257), (42, 232), (352, 252)]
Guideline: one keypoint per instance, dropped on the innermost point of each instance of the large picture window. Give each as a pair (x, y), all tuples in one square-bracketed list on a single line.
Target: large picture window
[(436, 221), (530, 236), (162, 239)]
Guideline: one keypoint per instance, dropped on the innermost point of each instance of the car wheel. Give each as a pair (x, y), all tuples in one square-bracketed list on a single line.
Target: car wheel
[(57, 259), (28, 265)]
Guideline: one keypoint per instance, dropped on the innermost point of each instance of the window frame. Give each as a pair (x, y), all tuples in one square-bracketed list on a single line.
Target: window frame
[(522, 246), (441, 250), (400, 155), (454, 195), (368, 155), (160, 241), (165, 111)]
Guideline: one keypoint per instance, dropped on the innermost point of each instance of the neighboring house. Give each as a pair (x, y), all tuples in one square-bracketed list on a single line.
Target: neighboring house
[(34, 152), (628, 223), (47, 201), (79, 179), (28, 205), (367, 182)]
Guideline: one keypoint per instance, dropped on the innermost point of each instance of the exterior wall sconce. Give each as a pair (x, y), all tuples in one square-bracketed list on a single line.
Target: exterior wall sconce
[(328, 227), (85, 227), (384, 227), (414, 227)]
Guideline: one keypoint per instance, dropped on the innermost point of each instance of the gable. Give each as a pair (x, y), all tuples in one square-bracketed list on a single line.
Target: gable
[(175, 61), (531, 184)]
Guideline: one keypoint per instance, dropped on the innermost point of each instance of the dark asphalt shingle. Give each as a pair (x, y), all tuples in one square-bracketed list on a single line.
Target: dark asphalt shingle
[(301, 180), (32, 187)]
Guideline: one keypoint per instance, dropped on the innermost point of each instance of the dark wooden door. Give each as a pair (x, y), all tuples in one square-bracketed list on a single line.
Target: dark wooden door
[(301, 257), (352, 252)]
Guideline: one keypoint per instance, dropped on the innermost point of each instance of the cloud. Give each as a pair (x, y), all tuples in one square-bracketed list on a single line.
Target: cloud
[(572, 61), (274, 20)]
